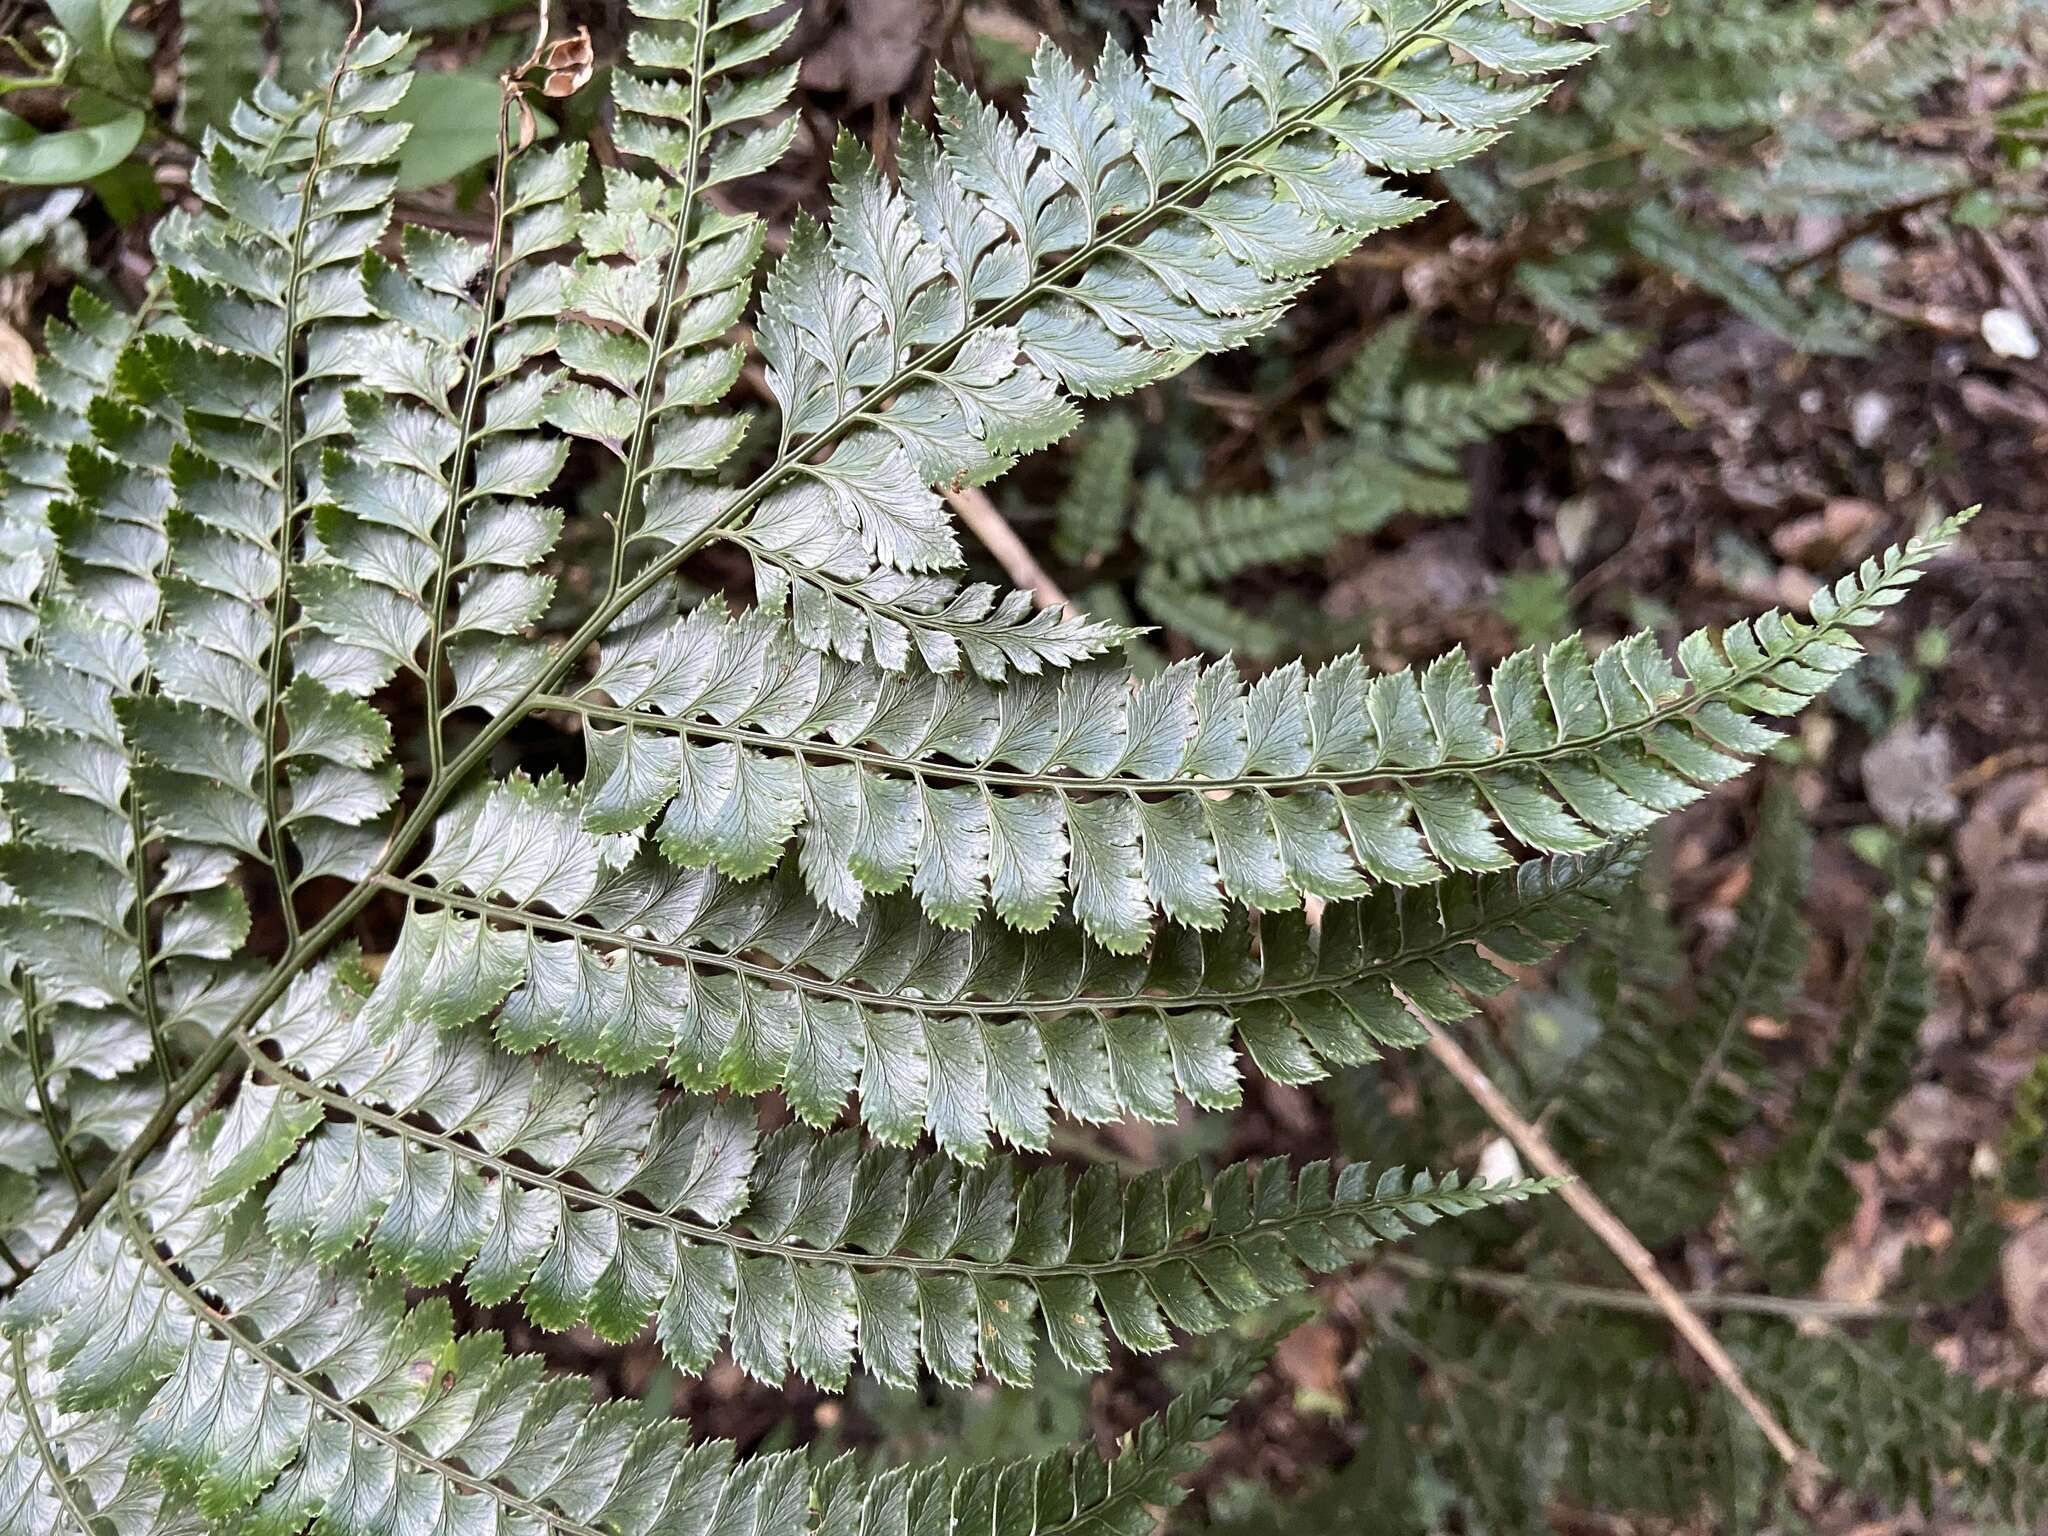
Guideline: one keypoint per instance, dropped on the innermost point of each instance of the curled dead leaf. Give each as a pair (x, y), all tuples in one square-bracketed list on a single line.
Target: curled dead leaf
[(17, 358), (570, 61)]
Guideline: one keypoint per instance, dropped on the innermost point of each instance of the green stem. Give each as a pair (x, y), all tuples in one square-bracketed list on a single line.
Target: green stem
[(60, 1478), (39, 1073)]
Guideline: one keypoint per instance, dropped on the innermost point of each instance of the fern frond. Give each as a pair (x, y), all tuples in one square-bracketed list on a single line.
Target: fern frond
[(1657, 1099), (1129, 224), (1522, 1418), (153, 677), (1901, 1428), (885, 836), (1092, 514), (282, 1392), (430, 530), (48, 419), (752, 986), (1821, 322), (1189, 788), (74, 1472), (220, 59), (1795, 1200), (1399, 453), (601, 1205)]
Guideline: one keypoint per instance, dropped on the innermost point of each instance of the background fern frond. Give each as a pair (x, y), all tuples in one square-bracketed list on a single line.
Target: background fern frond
[(1802, 1193), (1674, 1077)]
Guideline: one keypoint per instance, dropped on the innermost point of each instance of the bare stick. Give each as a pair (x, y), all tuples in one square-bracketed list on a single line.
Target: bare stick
[(1607, 1298), (1621, 1242), (994, 531)]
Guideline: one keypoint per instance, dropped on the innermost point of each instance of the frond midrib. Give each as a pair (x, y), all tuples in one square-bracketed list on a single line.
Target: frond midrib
[(60, 1476), (1473, 932), (803, 1253)]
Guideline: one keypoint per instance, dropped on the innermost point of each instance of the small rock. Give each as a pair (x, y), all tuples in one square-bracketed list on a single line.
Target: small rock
[(2006, 332), (1827, 538), (1498, 1162), (1869, 414), (2023, 1271), (1935, 1115), (1906, 777)]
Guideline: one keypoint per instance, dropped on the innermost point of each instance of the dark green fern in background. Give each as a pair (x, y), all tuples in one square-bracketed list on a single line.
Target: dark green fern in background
[(1516, 1373)]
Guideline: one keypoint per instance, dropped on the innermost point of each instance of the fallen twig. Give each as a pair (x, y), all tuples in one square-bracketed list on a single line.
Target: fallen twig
[(1621, 1242), (1801, 1309), (1018, 563)]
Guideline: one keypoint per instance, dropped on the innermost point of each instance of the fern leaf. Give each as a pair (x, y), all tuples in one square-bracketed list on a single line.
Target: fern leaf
[(431, 531), (1190, 788), (1092, 513), (886, 836), (1399, 452), (73, 1472), (293, 196), (280, 1392), (220, 57), (1793, 1202), (1658, 1099), (753, 985), (1901, 1428), (1822, 322), (601, 1205), (1132, 222), (152, 677)]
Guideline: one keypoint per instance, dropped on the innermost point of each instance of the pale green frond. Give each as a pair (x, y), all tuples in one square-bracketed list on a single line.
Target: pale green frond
[(151, 674), (1190, 792), (277, 1392), (1132, 222), (631, 963), (47, 418), (431, 530), (278, 614), (75, 1474), (665, 273), (601, 1205)]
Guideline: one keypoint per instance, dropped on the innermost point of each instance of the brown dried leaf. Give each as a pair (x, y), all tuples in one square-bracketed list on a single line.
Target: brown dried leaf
[(569, 61)]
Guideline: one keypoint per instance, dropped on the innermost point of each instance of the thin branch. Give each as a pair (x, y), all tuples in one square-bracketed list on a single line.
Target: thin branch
[(1799, 1309), (989, 525), (1621, 1242)]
